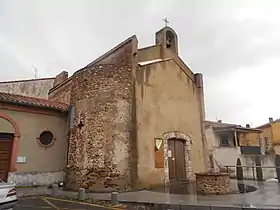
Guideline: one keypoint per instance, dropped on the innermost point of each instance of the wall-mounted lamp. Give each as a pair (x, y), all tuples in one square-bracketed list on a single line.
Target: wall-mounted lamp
[(80, 125)]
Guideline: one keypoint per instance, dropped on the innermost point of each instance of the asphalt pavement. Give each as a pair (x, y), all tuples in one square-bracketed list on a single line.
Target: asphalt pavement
[(45, 203)]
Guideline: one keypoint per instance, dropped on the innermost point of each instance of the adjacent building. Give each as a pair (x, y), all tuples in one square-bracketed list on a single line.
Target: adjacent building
[(38, 88), (228, 142), (271, 135)]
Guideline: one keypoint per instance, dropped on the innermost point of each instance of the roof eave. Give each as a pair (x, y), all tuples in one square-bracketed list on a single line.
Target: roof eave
[(36, 106)]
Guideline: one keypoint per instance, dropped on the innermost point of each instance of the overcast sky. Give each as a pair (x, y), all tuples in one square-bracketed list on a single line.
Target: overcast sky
[(234, 43)]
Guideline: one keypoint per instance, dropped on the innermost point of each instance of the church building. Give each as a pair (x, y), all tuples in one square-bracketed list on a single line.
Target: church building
[(130, 119)]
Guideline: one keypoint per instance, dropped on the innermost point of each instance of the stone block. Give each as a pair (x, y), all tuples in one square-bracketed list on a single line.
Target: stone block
[(213, 183)]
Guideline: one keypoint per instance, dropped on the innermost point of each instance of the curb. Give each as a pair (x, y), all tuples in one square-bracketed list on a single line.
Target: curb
[(156, 206)]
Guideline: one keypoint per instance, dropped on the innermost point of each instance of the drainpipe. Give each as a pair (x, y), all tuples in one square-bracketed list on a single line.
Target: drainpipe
[(199, 84)]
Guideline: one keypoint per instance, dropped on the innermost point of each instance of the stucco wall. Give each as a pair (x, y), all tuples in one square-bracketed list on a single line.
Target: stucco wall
[(212, 139), (6, 126), (276, 132), (38, 158), (35, 88), (226, 156), (150, 53), (166, 100)]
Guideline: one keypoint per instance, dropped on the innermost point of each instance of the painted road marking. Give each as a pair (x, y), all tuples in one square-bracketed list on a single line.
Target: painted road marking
[(77, 202), (51, 204), (32, 206), (43, 207)]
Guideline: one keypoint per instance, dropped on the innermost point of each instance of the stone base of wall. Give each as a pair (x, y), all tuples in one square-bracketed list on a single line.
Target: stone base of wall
[(213, 183), (92, 183), (35, 178)]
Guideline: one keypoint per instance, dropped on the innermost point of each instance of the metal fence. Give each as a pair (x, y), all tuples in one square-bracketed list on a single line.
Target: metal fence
[(252, 172)]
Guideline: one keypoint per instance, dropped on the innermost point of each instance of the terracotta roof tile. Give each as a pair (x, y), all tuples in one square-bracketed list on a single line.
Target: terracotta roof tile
[(32, 101)]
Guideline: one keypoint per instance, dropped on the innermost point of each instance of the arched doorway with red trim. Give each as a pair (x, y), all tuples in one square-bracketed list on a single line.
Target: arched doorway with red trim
[(8, 147)]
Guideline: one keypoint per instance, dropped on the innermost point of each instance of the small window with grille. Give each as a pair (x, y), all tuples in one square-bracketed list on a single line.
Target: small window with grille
[(46, 139)]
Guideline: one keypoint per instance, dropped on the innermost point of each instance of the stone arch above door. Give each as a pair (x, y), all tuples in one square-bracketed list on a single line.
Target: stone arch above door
[(188, 159), (15, 140), (176, 135)]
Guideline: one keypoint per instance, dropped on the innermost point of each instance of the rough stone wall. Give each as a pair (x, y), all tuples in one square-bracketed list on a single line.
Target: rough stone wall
[(99, 145), (34, 88), (217, 184), (61, 92)]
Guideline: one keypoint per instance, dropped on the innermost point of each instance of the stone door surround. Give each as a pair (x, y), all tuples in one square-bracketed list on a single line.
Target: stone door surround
[(187, 149)]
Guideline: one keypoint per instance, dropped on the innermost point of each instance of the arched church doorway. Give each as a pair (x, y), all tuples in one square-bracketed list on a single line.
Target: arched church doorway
[(6, 145), (9, 135), (176, 160)]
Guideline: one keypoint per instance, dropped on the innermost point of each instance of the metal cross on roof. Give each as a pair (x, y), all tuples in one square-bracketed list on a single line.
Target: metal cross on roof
[(166, 21)]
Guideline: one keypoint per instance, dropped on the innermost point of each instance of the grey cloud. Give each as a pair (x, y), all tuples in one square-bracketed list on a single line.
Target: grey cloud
[(13, 65), (57, 35), (229, 45)]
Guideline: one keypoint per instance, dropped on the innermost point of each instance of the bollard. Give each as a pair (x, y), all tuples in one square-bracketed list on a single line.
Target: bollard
[(114, 198), (81, 194), (54, 190)]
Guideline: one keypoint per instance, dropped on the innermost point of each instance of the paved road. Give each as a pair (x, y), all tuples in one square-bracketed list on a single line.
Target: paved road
[(41, 203)]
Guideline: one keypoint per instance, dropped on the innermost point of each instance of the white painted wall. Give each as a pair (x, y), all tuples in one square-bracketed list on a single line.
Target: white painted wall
[(226, 155)]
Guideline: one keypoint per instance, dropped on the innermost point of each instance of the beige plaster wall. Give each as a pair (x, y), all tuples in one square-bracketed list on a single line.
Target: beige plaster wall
[(6, 126), (38, 159), (149, 53), (166, 100)]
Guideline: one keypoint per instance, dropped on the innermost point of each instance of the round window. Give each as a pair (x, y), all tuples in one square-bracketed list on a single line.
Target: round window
[(46, 138)]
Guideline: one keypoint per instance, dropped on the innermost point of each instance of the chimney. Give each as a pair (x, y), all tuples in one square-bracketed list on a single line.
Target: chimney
[(270, 119), (247, 125), (198, 80), (60, 78), (219, 121)]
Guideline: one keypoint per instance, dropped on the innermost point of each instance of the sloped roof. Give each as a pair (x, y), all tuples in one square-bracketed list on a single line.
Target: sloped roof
[(110, 51), (220, 126), (32, 101), (26, 80), (268, 124)]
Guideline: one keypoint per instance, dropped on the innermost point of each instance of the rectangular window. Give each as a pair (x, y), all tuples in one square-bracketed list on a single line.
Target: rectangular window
[(224, 141)]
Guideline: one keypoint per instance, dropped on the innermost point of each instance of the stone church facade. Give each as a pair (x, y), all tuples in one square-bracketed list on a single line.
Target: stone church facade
[(133, 120)]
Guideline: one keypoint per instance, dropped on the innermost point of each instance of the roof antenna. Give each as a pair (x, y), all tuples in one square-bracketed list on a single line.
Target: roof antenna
[(35, 72)]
